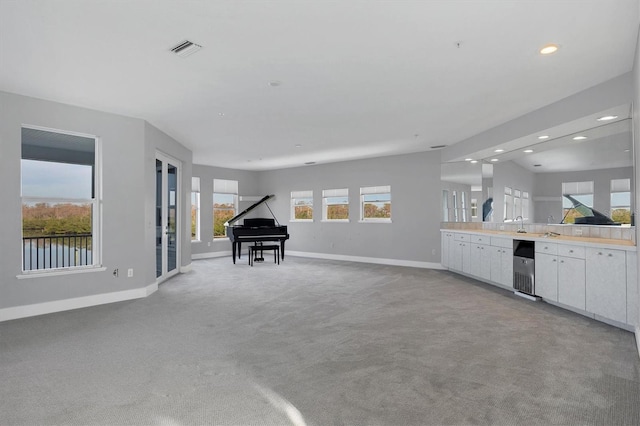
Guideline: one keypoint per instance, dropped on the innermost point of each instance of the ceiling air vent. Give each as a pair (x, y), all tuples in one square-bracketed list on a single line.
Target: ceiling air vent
[(438, 146), (186, 48)]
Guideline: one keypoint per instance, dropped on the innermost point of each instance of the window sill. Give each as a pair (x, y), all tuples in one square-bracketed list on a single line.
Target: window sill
[(196, 241), (300, 220), (336, 220), (57, 272), (216, 240), (375, 221)]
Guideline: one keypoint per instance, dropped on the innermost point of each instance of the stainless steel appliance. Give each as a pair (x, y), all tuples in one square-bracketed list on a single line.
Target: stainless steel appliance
[(524, 266)]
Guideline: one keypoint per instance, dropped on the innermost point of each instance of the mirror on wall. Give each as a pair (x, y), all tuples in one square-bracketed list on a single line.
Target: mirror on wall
[(598, 159)]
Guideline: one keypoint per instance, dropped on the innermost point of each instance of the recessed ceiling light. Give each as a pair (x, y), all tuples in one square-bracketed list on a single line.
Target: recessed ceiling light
[(298, 145), (542, 137), (275, 83), (579, 138), (221, 114), (608, 117), (627, 150), (474, 161), (468, 159), (499, 150), (494, 159), (528, 151), (549, 49)]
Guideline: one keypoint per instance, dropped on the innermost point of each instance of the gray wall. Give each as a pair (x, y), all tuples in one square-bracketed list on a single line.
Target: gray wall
[(247, 186), (548, 190), (128, 159), (636, 133), (415, 193)]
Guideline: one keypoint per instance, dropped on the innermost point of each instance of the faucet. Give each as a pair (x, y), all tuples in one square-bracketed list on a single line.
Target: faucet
[(521, 228)]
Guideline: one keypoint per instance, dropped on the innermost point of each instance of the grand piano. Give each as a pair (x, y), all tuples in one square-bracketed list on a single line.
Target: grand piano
[(590, 216), (255, 230)]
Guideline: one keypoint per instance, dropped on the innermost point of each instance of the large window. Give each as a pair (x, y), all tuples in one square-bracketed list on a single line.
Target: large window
[(302, 206), (375, 204), (335, 205), (225, 204), (621, 200), (195, 209), (581, 191), (60, 211), (508, 204)]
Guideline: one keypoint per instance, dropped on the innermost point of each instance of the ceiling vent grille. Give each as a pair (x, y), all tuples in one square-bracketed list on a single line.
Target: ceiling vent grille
[(186, 48)]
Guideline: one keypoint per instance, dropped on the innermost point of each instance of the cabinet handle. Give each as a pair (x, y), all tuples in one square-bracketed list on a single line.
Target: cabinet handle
[(610, 255), (570, 251), (554, 260), (599, 253), (562, 261)]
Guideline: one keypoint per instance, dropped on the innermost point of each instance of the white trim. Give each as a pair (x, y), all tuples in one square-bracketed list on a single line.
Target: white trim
[(376, 260), (185, 269), (250, 197), (375, 220), (25, 311), (638, 338), (336, 220), (54, 272), (300, 220)]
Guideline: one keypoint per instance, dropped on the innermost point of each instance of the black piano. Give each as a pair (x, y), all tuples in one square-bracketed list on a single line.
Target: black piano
[(255, 230), (590, 216)]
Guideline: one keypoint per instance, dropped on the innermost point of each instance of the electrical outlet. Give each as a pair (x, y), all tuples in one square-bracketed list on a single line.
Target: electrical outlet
[(502, 227), (130, 272), (209, 244), (115, 273), (433, 252), (577, 232)]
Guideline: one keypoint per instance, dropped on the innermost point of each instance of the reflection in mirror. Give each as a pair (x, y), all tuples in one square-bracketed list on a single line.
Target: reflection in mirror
[(530, 180), (465, 186)]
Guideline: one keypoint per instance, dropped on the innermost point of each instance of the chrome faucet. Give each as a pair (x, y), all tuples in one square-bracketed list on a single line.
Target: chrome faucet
[(521, 228)]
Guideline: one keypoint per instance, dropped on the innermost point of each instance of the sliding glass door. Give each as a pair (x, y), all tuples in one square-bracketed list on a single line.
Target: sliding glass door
[(167, 229)]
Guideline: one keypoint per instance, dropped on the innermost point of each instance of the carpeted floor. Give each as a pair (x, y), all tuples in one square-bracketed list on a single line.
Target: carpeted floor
[(319, 343)]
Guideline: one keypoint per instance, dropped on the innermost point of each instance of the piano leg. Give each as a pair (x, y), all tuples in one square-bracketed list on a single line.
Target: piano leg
[(282, 249), (233, 252)]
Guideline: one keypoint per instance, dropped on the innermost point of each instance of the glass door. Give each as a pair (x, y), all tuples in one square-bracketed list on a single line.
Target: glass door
[(167, 202)]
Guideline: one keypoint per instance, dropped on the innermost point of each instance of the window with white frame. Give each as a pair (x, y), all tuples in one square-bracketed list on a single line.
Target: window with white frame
[(474, 208), (454, 195), (621, 200), (195, 209), (302, 206), (375, 204), (445, 205), (225, 205), (335, 205), (517, 205), (463, 203), (508, 204), (60, 200), (525, 205), (581, 191)]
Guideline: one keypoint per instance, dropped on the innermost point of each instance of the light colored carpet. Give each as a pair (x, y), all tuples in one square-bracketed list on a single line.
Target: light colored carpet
[(319, 343)]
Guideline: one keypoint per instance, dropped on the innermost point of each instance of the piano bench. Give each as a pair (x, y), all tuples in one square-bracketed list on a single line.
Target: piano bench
[(253, 251)]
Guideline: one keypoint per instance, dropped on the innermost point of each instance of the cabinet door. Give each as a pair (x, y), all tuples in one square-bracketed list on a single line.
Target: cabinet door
[(466, 257), (455, 259), (507, 267), (571, 282), (546, 281), (606, 278), (485, 262), (444, 249), (496, 264), (475, 259)]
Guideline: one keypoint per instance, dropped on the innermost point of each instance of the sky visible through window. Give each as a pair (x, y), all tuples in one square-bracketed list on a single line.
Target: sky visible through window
[(56, 180)]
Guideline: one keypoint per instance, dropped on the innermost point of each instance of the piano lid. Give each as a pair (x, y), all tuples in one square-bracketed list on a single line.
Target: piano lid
[(591, 216), (247, 210)]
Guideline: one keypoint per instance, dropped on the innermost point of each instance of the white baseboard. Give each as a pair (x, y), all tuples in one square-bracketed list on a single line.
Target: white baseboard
[(184, 269), (24, 311), (376, 260)]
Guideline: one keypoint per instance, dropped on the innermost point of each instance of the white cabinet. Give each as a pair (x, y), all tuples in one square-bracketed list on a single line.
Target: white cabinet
[(481, 261), (546, 281), (572, 276), (633, 317), (447, 240), (606, 288), (460, 253), (502, 261)]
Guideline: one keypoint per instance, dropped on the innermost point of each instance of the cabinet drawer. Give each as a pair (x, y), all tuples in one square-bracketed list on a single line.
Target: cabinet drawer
[(549, 248), (571, 251), (461, 237), (480, 239), (502, 242)]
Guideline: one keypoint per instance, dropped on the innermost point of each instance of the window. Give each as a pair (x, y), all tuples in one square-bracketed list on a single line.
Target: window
[(525, 205), (581, 191), (302, 206), (508, 204), (335, 205), (463, 205), (445, 205), (621, 200), (455, 206), (225, 205), (517, 206), (60, 214), (195, 209), (375, 204), (474, 208)]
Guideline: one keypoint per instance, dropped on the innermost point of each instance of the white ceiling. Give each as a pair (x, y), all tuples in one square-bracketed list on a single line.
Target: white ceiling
[(358, 78)]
